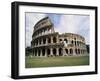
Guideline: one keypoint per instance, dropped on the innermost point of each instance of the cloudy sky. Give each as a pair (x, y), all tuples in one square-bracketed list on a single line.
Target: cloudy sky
[(79, 24)]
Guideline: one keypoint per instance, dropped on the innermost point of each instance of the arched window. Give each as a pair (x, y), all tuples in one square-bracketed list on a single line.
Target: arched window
[(75, 43), (44, 41), (43, 52), (60, 52), (66, 40), (49, 40), (72, 41), (54, 39), (38, 52), (60, 40), (66, 51), (78, 51), (40, 41), (48, 52), (54, 52), (71, 51)]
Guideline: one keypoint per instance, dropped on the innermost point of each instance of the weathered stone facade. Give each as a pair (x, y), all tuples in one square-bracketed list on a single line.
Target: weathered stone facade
[(47, 42)]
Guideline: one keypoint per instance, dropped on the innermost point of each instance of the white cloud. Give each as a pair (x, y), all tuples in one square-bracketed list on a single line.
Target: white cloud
[(31, 20), (74, 24)]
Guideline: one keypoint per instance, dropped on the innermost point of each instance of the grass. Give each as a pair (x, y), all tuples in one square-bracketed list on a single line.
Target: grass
[(32, 62)]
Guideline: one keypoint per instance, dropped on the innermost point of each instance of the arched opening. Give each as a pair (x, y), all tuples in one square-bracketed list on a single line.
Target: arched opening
[(44, 41), (72, 41), (54, 39), (71, 51), (54, 52), (38, 52), (36, 42), (40, 41), (49, 40), (78, 51), (48, 52), (60, 40), (60, 52), (35, 52), (66, 40), (75, 43), (66, 51), (43, 52)]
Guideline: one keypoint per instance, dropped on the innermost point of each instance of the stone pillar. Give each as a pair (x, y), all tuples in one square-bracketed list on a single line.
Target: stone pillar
[(51, 53), (74, 52), (41, 41), (45, 52), (64, 54), (57, 50), (57, 39), (51, 39), (41, 52)]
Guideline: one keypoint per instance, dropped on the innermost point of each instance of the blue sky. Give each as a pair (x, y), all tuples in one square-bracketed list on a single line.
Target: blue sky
[(79, 24)]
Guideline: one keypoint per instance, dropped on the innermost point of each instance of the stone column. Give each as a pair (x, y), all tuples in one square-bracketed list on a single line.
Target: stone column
[(57, 39), (51, 39), (74, 52), (41, 52), (45, 52), (51, 53), (64, 53), (41, 41), (57, 52)]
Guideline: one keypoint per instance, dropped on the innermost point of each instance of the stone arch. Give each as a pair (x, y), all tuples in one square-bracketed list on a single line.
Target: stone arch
[(36, 42), (54, 40), (54, 52), (72, 41), (35, 52), (78, 51), (48, 52), (43, 52), (39, 52), (66, 40), (60, 52), (66, 51), (40, 41), (44, 40), (71, 51), (49, 40), (60, 40), (75, 43)]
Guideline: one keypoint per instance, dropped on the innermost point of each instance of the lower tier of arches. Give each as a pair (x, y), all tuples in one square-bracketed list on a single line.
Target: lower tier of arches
[(58, 52)]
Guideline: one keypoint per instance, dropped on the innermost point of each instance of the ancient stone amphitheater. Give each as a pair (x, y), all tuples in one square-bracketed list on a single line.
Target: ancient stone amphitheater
[(46, 42)]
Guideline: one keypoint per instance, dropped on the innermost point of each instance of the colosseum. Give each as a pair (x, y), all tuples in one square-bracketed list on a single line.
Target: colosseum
[(46, 42)]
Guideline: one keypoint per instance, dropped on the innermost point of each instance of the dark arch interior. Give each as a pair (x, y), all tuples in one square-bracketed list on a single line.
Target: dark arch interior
[(60, 52), (48, 52), (43, 52), (54, 39), (71, 51), (66, 40), (49, 40), (66, 51), (54, 52)]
